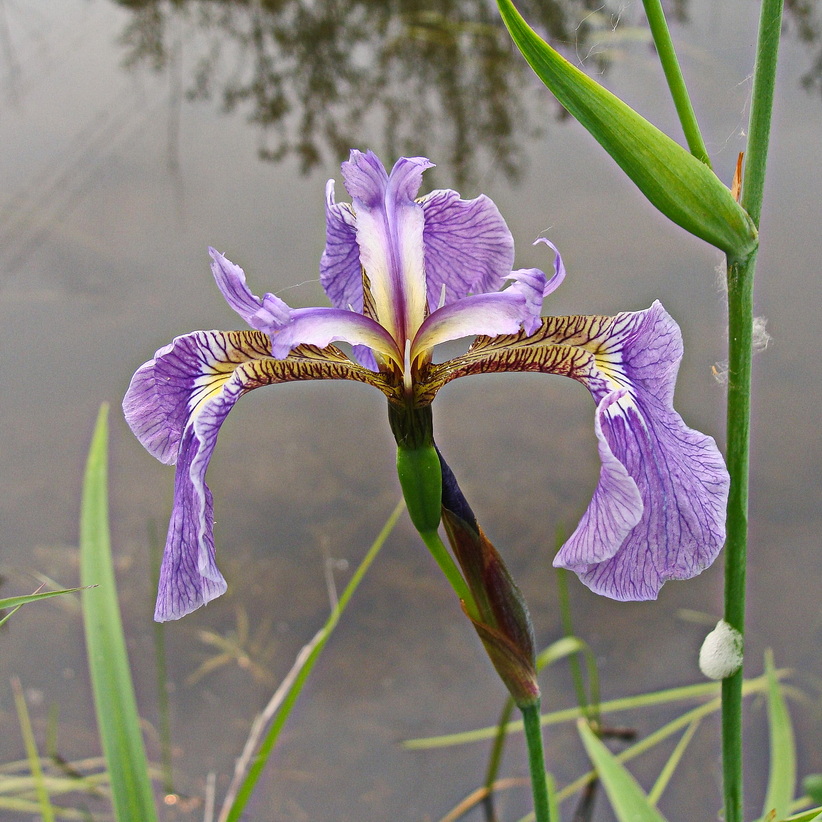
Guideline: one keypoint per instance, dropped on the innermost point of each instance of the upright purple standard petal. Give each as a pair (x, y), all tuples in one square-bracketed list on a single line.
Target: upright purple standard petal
[(468, 247), (389, 226), (340, 268)]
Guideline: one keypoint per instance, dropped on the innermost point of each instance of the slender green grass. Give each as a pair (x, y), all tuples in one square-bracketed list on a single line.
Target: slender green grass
[(16, 603), (782, 752), (43, 800), (670, 766), (588, 702), (286, 697), (115, 704), (627, 798), (667, 696)]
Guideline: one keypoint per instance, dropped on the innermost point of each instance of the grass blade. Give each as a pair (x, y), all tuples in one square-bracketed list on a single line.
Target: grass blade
[(16, 602), (664, 697), (114, 701), (43, 801), (782, 772), (670, 766), (627, 798), (285, 698)]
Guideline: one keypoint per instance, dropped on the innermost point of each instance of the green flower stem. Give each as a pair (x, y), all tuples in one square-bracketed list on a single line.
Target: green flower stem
[(452, 573), (676, 82), (536, 760), (740, 333), (740, 351), (759, 125)]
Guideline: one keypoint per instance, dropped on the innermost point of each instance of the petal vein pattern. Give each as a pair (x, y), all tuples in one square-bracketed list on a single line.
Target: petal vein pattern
[(176, 404), (658, 511)]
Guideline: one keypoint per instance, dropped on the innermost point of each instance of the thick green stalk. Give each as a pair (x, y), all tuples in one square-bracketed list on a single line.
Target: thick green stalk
[(762, 94), (740, 333), (740, 351), (676, 82), (536, 761)]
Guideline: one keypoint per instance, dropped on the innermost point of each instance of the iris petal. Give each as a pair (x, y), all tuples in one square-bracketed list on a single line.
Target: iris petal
[(468, 247), (176, 404), (680, 478), (321, 326), (268, 314), (658, 511), (340, 268), (503, 312), (389, 226)]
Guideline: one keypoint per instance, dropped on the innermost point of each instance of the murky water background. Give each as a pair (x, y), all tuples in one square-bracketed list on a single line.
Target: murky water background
[(113, 182)]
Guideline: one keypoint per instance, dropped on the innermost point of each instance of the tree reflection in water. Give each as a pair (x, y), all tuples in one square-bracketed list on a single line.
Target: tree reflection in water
[(436, 78)]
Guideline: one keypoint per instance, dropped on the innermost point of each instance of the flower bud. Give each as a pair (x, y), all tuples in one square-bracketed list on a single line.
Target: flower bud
[(682, 187), (504, 624)]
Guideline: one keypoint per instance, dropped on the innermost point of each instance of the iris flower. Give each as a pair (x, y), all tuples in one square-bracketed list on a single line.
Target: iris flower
[(404, 274)]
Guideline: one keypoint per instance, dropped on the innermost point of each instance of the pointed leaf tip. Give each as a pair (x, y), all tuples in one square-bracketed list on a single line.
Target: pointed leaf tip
[(682, 187), (627, 798)]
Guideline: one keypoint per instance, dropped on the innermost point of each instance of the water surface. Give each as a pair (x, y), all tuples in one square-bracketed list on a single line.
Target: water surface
[(135, 135)]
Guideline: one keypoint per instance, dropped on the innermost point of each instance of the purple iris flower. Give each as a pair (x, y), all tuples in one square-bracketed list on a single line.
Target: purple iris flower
[(404, 274)]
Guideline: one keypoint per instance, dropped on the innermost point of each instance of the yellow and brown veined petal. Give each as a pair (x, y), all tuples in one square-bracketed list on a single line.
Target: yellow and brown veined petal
[(176, 404), (658, 511), (572, 346)]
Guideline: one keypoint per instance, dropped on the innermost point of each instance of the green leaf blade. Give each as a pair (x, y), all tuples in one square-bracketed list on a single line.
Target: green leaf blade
[(682, 187), (627, 798), (16, 602), (782, 771), (115, 703)]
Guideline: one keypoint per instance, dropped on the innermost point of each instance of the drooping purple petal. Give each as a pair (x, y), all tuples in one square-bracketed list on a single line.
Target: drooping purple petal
[(468, 247), (678, 474), (616, 507), (658, 511), (176, 404), (189, 577)]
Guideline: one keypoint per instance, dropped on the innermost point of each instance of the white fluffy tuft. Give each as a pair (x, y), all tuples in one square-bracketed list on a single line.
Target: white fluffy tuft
[(721, 652)]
